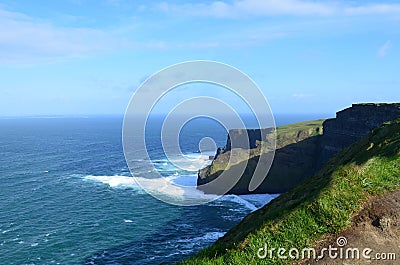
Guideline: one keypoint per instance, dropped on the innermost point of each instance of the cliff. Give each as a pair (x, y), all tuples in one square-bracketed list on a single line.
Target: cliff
[(355, 195), (352, 124), (246, 138), (301, 149), (297, 146)]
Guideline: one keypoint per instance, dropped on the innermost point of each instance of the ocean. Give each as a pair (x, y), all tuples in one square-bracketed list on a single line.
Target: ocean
[(68, 197)]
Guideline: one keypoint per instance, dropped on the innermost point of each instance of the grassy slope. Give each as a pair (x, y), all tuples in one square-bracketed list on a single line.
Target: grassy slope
[(323, 204)]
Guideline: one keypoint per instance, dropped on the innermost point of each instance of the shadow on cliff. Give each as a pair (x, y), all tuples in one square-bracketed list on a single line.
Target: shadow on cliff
[(292, 164), (381, 143)]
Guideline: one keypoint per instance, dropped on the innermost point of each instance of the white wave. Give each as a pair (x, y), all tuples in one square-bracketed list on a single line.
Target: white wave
[(251, 201), (210, 236), (172, 254), (185, 181), (181, 188), (128, 221), (239, 200), (259, 200), (114, 181), (231, 217), (158, 187), (191, 161), (189, 243), (186, 226)]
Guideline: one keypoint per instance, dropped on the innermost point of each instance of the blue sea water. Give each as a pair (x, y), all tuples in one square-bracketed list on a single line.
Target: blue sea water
[(67, 196)]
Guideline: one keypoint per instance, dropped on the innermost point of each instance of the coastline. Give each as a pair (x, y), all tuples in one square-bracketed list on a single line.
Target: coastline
[(291, 206)]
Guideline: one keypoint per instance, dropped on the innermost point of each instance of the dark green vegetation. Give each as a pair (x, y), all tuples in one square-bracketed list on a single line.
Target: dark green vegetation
[(323, 204)]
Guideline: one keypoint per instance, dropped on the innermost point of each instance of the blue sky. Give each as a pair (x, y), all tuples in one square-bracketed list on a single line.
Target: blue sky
[(88, 57)]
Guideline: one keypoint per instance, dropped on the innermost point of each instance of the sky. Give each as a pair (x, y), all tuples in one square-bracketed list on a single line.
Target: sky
[(84, 57)]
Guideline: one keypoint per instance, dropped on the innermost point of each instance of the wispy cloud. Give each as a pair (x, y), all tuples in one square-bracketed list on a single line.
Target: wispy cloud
[(384, 49), (282, 7), (240, 8), (302, 95), (249, 7), (27, 39), (373, 9)]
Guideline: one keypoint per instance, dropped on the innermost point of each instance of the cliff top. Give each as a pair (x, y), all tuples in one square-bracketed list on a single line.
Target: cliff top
[(357, 106), (376, 104)]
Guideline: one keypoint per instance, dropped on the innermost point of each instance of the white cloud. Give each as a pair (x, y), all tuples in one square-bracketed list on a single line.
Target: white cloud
[(249, 7), (29, 40), (373, 9), (384, 49), (283, 7), (26, 39), (301, 95), (214, 9), (240, 8)]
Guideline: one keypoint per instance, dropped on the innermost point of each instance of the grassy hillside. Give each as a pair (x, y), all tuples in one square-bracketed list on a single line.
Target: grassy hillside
[(323, 204)]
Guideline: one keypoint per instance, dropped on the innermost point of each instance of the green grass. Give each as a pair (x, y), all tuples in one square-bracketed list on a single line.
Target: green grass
[(293, 133), (322, 204), (305, 125)]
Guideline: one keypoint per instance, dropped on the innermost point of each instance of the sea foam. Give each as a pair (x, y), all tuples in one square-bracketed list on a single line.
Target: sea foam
[(180, 188), (159, 187)]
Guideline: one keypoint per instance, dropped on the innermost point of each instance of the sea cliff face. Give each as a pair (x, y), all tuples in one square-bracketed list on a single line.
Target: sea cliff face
[(296, 145), (352, 124), (301, 149)]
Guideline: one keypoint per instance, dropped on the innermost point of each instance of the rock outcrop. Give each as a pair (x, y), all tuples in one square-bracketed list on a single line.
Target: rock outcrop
[(246, 138), (352, 124), (302, 149)]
